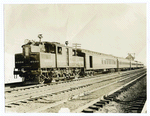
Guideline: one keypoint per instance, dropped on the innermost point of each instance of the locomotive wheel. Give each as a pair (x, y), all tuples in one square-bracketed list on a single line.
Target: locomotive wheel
[(73, 74), (40, 79), (48, 80), (88, 75), (91, 73), (76, 76), (57, 77), (67, 76), (64, 76)]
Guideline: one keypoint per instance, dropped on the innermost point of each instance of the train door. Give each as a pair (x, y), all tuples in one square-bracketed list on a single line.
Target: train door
[(91, 61), (67, 56)]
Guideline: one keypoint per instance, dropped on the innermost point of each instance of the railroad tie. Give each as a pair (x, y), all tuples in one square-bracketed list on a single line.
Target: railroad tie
[(87, 110), (8, 106), (98, 104), (109, 98), (135, 109), (15, 104), (103, 101), (23, 101), (94, 107)]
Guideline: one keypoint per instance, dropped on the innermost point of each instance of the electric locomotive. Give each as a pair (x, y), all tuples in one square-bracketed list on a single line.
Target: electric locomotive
[(42, 62)]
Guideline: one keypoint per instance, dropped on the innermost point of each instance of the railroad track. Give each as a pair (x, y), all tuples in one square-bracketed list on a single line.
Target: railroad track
[(97, 104), (20, 86), (25, 87), (54, 92), (77, 96), (27, 94)]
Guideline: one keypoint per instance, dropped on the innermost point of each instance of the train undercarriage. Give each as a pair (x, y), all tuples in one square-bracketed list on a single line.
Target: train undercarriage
[(48, 75)]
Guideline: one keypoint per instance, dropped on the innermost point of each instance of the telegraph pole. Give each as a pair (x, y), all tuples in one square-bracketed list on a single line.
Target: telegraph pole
[(76, 45), (131, 55), (131, 58)]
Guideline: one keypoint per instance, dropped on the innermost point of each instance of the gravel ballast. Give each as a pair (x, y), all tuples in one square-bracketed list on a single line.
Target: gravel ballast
[(124, 102)]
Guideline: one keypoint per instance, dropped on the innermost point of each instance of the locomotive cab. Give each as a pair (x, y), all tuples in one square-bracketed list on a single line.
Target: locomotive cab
[(33, 47), (34, 57)]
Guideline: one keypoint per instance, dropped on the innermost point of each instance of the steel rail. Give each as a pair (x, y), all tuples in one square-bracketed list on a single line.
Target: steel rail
[(42, 85), (28, 91), (80, 109), (60, 102), (26, 96)]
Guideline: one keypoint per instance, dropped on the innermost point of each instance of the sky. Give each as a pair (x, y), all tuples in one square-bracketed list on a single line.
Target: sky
[(116, 29)]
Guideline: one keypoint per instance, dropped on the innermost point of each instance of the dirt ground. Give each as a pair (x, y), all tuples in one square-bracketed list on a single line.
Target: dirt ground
[(113, 107), (125, 99)]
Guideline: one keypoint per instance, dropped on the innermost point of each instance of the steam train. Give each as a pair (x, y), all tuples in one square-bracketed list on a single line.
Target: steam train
[(42, 62)]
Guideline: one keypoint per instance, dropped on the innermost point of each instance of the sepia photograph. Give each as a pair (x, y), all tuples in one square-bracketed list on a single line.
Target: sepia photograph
[(75, 58)]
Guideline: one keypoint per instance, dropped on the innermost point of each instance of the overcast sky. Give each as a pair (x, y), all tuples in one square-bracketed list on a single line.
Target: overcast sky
[(116, 29)]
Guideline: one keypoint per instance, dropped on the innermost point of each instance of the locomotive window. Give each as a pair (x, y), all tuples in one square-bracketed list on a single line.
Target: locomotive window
[(47, 47), (50, 48), (59, 50)]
